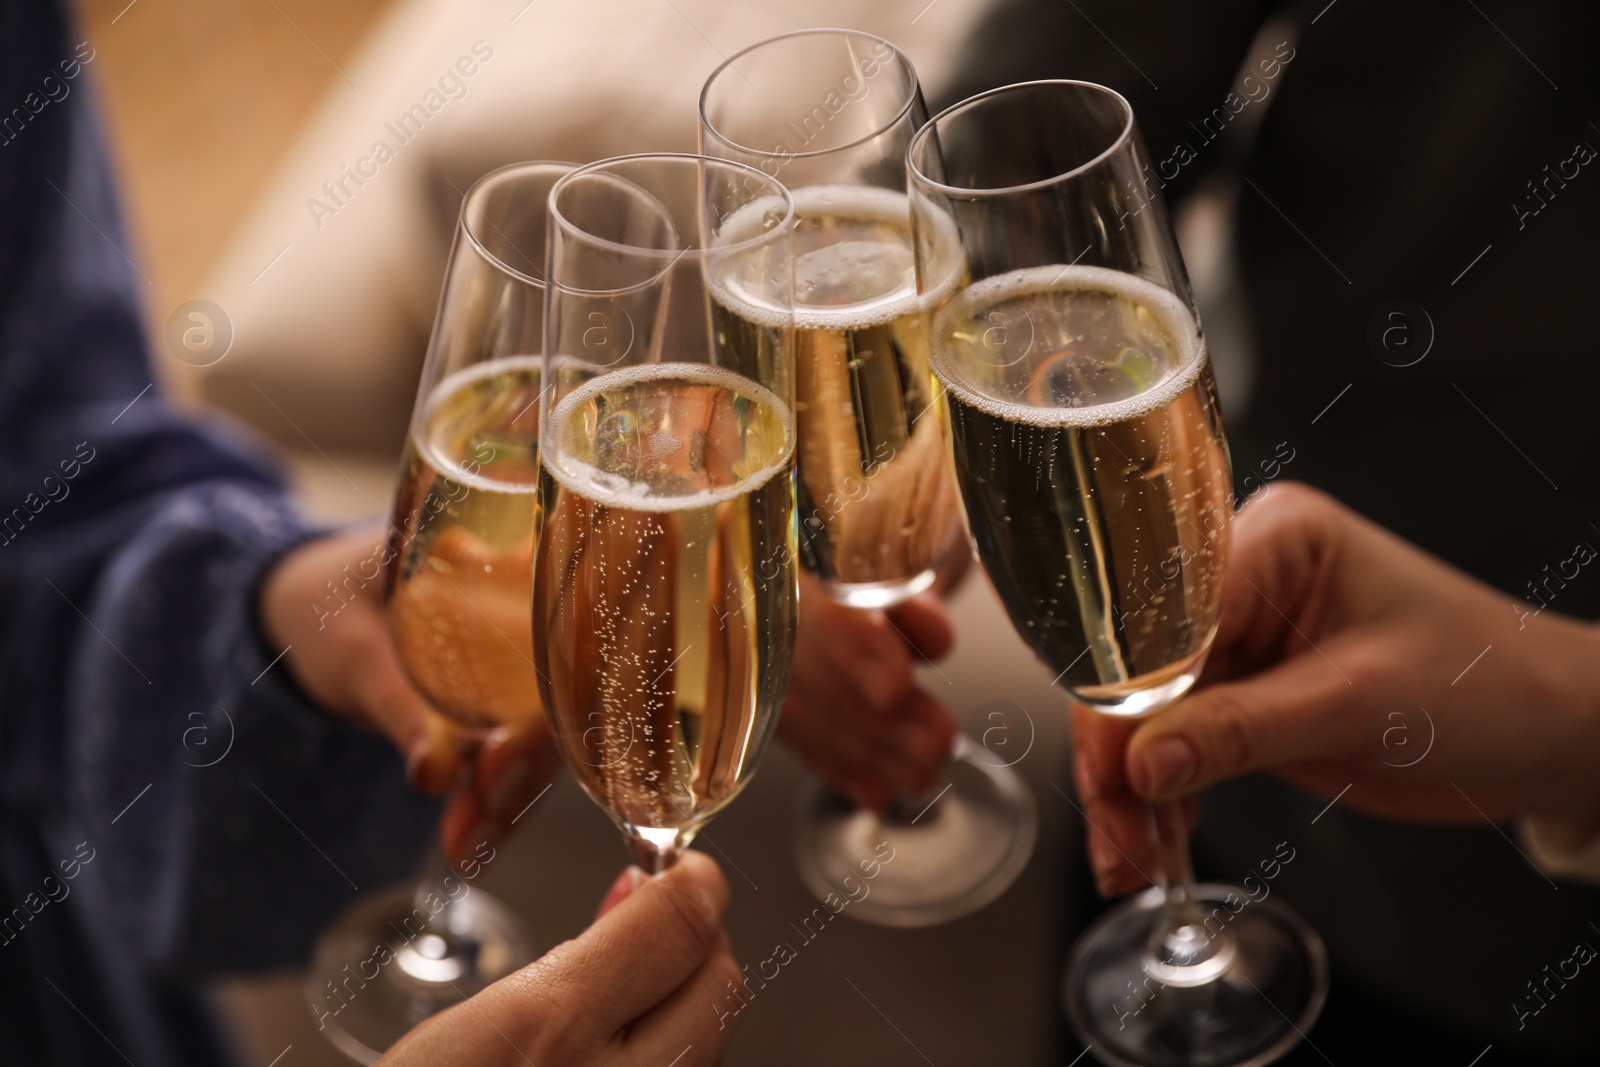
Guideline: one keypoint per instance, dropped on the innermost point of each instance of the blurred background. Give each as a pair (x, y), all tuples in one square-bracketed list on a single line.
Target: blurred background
[(237, 126)]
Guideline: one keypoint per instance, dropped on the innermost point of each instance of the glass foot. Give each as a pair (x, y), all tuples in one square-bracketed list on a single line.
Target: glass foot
[(387, 964), (928, 860), (1248, 1012)]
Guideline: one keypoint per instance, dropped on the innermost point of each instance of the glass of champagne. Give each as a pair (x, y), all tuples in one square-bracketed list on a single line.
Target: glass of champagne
[(1087, 441), (665, 579), (458, 591), (830, 113)]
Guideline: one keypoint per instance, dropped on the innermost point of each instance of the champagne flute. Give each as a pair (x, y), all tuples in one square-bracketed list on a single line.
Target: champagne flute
[(665, 580), (1087, 440), (830, 113), (457, 591)]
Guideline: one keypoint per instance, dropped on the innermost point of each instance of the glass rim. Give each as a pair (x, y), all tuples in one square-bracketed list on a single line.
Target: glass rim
[(670, 256), (959, 192), (815, 153), (481, 186)]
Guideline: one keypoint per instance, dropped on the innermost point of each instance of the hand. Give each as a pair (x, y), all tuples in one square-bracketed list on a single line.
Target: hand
[(854, 711), (642, 986), (1334, 633), (345, 661)]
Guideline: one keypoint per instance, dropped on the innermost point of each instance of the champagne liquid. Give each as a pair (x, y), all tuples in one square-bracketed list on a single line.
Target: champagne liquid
[(665, 589), (460, 577), (877, 504), (1089, 448)]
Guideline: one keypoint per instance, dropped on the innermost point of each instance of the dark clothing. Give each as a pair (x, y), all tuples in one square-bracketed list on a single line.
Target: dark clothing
[(1399, 146), (164, 794)]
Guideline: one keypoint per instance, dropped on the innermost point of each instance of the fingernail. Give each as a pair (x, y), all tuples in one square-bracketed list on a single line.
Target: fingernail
[(1167, 765), (629, 880), (1102, 856), (1083, 775)]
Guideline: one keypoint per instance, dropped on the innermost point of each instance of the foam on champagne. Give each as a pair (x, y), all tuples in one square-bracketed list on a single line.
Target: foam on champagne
[(1175, 319), (600, 486), (431, 441), (887, 268)]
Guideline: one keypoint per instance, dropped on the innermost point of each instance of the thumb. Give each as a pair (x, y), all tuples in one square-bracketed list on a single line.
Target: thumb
[(1298, 712)]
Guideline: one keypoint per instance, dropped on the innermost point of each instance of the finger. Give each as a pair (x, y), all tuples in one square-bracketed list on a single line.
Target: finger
[(1100, 744), (1117, 835), (629, 880), (923, 739), (513, 770), (676, 915), (858, 648), (433, 749), (697, 1020), (1122, 853), (580, 994), (1298, 712), (1283, 548), (870, 756), (514, 766), (924, 624), (846, 757)]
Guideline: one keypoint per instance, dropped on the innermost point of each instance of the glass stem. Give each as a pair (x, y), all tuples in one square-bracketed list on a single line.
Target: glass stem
[(436, 867), (1171, 837), (655, 848), (1182, 951), (431, 883)]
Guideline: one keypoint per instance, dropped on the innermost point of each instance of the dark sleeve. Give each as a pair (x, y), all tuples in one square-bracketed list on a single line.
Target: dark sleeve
[(1174, 60), (140, 721)]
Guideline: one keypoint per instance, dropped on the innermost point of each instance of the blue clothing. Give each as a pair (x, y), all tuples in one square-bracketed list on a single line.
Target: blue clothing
[(132, 541)]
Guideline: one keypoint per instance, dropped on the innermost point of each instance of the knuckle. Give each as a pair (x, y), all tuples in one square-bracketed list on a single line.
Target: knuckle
[(1232, 738), (694, 923), (1371, 667), (555, 1007)]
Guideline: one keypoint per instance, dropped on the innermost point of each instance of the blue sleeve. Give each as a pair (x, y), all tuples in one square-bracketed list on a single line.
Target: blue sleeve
[(140, 715)]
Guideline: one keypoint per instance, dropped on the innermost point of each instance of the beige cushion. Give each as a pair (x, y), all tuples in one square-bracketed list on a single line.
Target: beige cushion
[(331, 305)]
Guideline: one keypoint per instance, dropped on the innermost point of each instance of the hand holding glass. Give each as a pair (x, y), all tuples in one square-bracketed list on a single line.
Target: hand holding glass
[(1089, 449)]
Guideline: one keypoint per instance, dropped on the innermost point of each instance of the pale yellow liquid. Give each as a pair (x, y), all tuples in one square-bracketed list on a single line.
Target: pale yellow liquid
[(1090, 452), (459, 588), (665, 588), (878, 508)]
